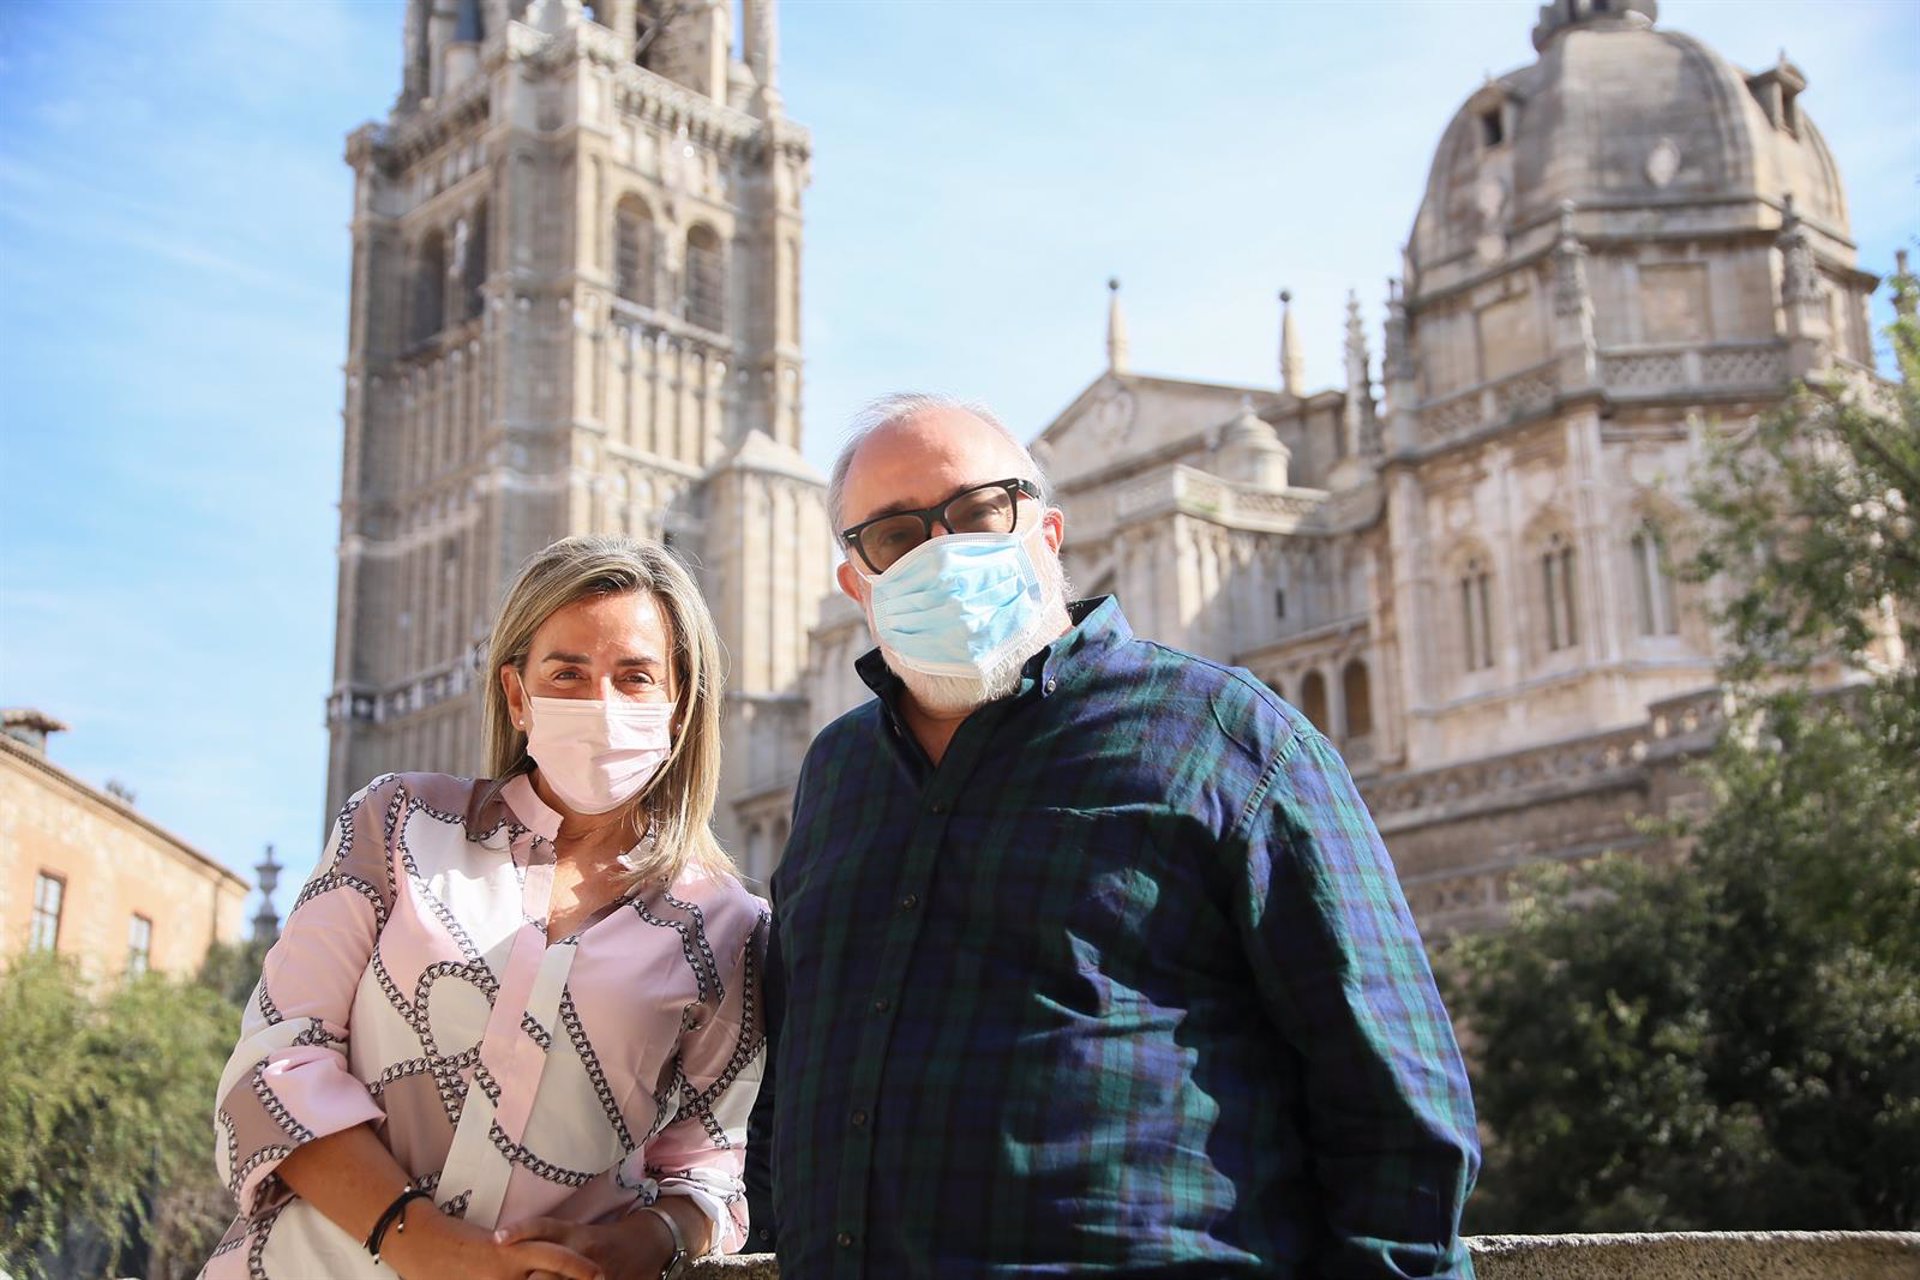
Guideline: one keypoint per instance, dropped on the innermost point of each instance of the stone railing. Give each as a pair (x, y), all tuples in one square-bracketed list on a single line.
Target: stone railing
[(1683, 724), (1492, 403), (1745, 366), (1189, 490), (1716, 1255), (1646, 371)]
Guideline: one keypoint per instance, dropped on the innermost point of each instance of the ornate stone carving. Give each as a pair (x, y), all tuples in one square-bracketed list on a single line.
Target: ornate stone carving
[(1663, 162), (1799, 273), (1571, 294), (1397, 363)]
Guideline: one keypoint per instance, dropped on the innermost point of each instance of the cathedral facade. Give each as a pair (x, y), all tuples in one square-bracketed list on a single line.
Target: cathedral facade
[(576, 286)]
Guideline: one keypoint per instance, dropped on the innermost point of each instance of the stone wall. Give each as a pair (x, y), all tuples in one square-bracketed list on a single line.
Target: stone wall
[(1760, 1255), (115, 863)]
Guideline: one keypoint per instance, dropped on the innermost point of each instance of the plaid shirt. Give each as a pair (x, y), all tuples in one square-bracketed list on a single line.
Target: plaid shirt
[(1126, 985)]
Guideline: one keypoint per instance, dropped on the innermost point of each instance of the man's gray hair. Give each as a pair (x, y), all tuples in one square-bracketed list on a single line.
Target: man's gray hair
[(905, 406)]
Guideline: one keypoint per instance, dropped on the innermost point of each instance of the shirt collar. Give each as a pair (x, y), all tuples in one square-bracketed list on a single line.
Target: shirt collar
[(1098, 625), (528, 808)]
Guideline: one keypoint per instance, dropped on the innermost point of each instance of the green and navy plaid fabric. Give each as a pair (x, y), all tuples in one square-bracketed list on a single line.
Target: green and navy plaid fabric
[(1125, 986)]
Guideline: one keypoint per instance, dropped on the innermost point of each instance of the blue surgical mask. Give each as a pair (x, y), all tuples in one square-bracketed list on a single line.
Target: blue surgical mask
[(956, 605)]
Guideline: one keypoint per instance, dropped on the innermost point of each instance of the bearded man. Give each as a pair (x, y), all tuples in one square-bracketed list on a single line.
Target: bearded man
[(1087, 956)]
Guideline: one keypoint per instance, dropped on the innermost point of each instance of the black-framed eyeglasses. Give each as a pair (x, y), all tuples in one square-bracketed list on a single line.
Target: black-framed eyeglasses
[(984, 508)]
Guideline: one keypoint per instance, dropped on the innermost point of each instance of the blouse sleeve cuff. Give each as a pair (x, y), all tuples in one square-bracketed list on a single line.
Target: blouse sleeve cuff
[(285, 1102), (725, 1206)]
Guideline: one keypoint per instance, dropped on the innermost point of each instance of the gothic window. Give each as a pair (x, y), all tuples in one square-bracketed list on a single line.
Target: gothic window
[(1279, 602), (139, 945), (49, 898), (1313, 699), (429, 287), (1653, 584), (633, 253), (473, 267), (1357, 693), (706, 279), (1476, 614), (1556, 581)]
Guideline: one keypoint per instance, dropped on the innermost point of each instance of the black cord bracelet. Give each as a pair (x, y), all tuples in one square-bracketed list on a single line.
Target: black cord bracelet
[(392, 1216)]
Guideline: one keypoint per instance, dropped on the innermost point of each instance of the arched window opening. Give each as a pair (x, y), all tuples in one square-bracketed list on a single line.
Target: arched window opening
[(1313, 699), (429, 287), (1476, 615), (706, 279), (1356, 691), (1556, 580), (473, 265), (634, 240), (1654, 584)]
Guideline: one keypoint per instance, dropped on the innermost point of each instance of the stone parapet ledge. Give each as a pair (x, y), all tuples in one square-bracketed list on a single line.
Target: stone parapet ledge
[(1710, 1255), (1705, 1255)]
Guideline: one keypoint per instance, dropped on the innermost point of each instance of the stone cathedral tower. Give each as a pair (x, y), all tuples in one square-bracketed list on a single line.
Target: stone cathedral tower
[(575, 308)]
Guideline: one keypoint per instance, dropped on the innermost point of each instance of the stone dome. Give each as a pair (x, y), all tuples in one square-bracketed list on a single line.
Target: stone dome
[(1620, 115)]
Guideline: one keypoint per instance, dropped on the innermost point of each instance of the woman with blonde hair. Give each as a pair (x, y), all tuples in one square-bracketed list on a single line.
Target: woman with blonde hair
[(512, 1027)]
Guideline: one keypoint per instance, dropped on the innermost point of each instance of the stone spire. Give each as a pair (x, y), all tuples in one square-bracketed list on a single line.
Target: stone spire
[(1906, 290), (1397, 372), (1293, 375), (1117, 351), (762, 53), (266, 921), (1355, 416)]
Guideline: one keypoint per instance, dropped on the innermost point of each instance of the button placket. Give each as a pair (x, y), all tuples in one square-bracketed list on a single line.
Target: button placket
[(902, 934)]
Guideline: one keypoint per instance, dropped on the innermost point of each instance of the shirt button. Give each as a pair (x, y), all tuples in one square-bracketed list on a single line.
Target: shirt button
[(1052, 684), (909, 902), (859, 1119), (844, 1240), (880, 1005), (937, 807)]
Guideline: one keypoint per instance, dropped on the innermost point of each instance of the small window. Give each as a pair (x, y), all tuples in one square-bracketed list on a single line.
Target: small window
[(1356, 691), (1279, 602), (1476, 617), (706, 292), (633, 256), (473, 267), (1493, 126), (1313, 699), (49, 897), (1655, 585), (139, 945), (429, 287), (1556, 579)]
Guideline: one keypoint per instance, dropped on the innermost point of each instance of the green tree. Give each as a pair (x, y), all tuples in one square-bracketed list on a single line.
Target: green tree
[(232, 969), (1731, 1039), (105, 1116)]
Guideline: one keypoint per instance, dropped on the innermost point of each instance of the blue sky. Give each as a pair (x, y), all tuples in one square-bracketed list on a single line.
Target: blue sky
[(173, 270)]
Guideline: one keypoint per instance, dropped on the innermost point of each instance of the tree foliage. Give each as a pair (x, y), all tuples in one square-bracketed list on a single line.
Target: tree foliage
[(106, 1098), (1731, 1038)]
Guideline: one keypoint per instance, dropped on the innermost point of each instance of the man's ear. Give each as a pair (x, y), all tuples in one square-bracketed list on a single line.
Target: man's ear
[(1055, 524), (850, 583)]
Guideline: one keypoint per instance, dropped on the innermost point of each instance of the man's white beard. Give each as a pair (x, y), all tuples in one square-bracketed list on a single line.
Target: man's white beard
[(947, 696)]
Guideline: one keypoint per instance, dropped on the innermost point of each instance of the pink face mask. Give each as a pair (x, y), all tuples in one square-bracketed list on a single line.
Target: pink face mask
[(598, 755)]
